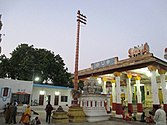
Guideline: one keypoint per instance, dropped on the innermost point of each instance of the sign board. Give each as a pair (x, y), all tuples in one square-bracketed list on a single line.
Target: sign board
[(104, 63)]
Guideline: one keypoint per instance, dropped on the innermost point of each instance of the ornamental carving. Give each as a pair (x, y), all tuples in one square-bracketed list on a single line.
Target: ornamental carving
[(91, 86), (139, 50)]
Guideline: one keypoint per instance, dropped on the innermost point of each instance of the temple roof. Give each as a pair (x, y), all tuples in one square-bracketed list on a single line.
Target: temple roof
[(129, 64)]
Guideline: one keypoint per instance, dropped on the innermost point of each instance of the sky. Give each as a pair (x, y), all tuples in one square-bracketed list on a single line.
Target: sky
[(113, 27)]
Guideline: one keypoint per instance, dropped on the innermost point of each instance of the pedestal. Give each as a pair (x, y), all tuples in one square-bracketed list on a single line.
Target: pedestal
[(118, 110), (60, 116), (94, 107), (114, 106), (113, 113), (139, 107), (138, 116), (76, 114), (139, 111), (130, 107)]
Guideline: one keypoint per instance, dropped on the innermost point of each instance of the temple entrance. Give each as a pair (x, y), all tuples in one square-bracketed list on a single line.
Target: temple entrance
[(134, 97)]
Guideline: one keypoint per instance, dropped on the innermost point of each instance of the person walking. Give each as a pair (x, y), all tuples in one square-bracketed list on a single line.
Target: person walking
[(160, 116), (48, 110)]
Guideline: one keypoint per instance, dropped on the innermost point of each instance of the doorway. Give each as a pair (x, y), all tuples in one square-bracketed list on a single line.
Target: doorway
[(48, 98), (41, 99), (56, 101)]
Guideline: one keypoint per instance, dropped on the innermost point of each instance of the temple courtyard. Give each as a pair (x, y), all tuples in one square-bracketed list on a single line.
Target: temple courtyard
[(111, 121)]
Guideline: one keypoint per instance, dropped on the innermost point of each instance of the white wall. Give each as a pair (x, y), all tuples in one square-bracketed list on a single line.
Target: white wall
[(34, 91), (51, 91), (14, 87)]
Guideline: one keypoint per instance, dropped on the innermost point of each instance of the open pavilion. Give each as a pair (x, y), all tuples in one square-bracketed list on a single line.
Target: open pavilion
[(139, 80)]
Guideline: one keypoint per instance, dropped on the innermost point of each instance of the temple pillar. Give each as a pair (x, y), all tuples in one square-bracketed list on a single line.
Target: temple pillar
[(118, 95), (104, 86), (129, 91), (164, 87), (139, 103), (113, 98), (154, 87)]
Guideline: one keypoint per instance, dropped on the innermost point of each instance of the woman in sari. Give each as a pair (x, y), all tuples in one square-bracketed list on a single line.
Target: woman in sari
[(26, 116)]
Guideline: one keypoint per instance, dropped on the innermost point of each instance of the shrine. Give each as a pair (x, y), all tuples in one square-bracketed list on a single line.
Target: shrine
[(93, 102), (138, 81)]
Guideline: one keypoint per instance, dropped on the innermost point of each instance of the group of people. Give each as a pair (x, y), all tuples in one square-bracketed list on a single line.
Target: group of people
[(147, 119), (26, 118), (11, 112), (158, 116)]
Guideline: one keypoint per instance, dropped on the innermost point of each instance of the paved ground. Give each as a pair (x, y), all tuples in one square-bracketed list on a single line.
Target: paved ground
[(112, 121)]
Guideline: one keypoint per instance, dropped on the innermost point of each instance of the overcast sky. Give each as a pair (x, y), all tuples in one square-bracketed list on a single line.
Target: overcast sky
[(113, 27)]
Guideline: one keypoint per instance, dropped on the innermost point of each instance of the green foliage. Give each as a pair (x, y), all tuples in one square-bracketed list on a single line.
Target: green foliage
[(22, 62), (4, 62), (27, 62)]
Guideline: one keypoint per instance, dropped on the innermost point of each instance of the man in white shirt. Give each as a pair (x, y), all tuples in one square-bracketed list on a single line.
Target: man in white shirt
[(160, 116)]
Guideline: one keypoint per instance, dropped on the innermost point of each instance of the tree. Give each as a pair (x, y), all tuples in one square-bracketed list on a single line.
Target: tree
[(22, 62), (60, 74), (27, 62), (4, 62)]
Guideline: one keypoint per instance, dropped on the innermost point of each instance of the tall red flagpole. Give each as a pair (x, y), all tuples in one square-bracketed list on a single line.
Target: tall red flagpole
[(80, 19)]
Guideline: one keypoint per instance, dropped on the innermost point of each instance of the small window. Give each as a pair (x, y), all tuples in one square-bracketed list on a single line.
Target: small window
[(5, 91), (64, 98)]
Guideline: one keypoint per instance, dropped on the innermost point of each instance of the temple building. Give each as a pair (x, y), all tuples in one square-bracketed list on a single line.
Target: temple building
[(140, 80)]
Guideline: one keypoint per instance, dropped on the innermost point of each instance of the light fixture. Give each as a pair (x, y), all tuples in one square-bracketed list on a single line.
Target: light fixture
[(57, 93), (37, 79), (42, 92)]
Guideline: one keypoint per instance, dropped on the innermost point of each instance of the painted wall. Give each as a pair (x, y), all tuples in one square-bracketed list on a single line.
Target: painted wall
[(14, 86), (19, 86), (50, 90)]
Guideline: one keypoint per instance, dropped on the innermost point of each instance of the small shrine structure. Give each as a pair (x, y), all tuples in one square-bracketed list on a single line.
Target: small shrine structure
[(93, 102)]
